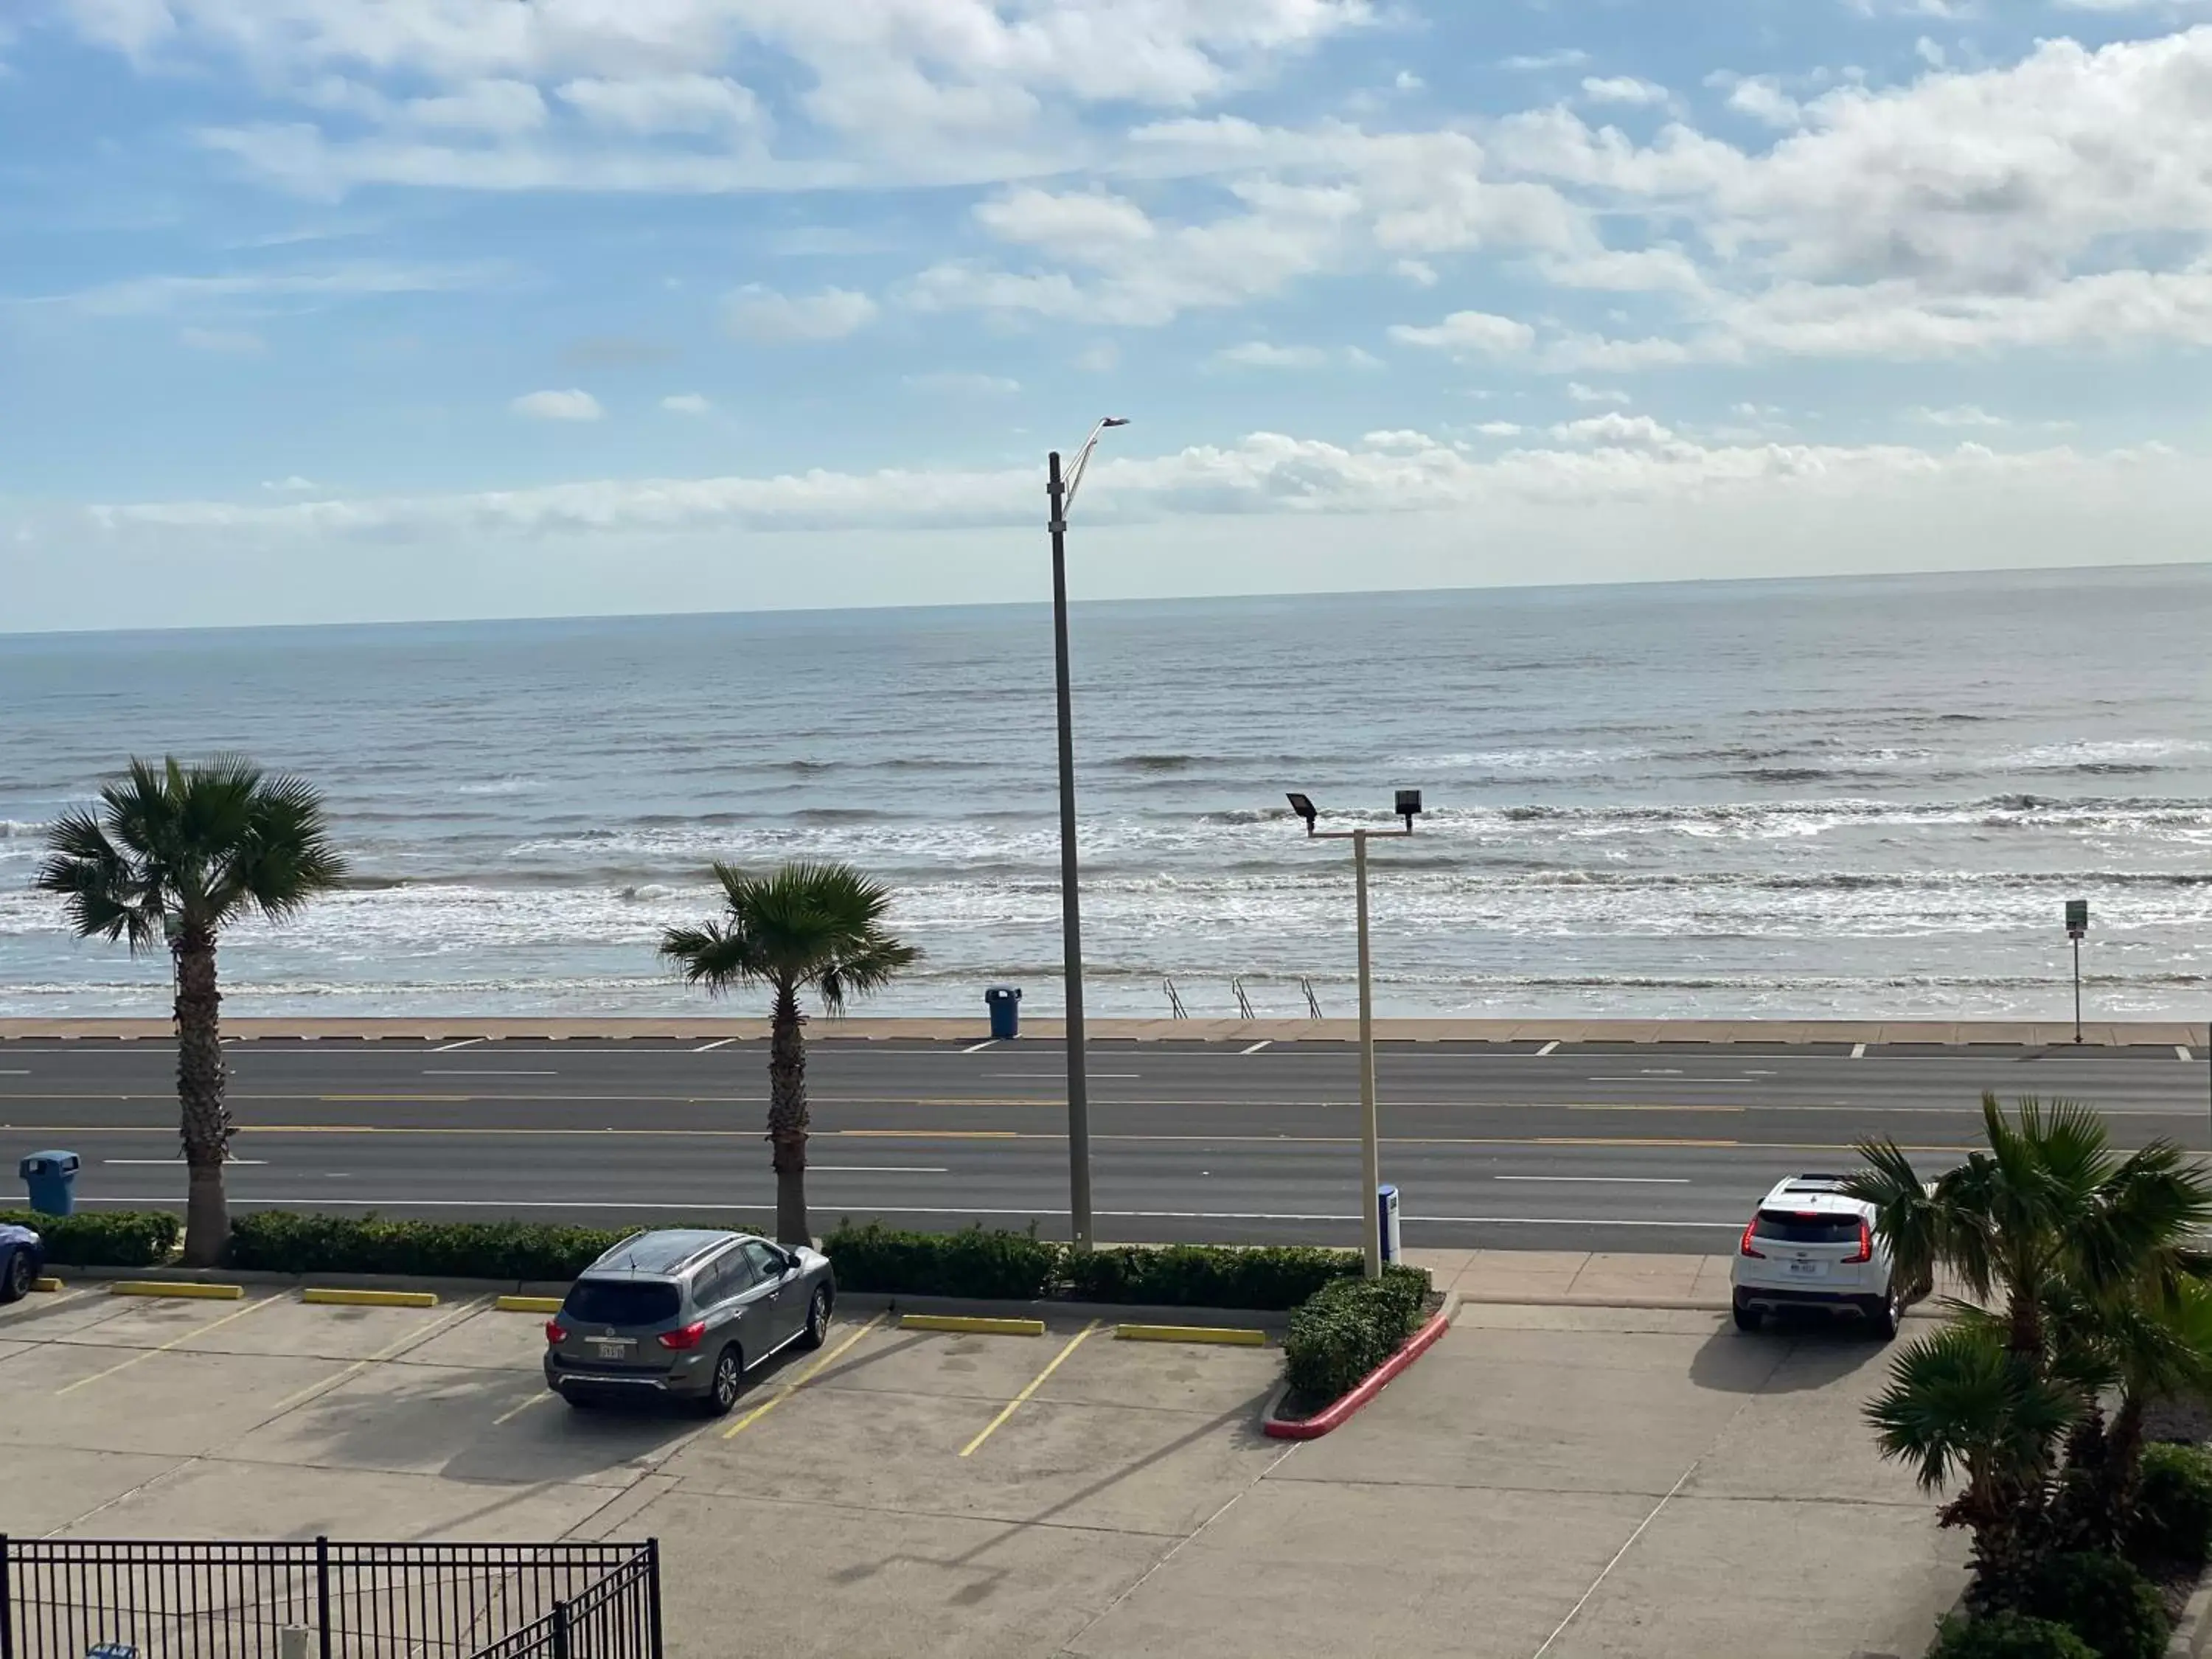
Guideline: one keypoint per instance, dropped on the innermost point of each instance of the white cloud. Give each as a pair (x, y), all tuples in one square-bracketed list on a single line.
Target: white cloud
[(1260, 354), (664, 103), (1469, 333), (1613, 429), (686, 403), (961, 383), (1104, 358), (292, 486), (1419, 272), (755, 312), (1564, 58), (1499, 428), (237, 342), (154, 295), (1761, 97), (1965, 415), (1592, 394), (1622, 89), (500, 108), (569, 405), (1930, 53)]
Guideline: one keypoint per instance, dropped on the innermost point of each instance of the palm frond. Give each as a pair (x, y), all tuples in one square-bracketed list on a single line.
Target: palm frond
[(801, 925), (1958, 1405)]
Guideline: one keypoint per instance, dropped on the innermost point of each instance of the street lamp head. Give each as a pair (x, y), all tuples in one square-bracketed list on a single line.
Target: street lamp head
[(1303, 807), (1409, 805), (1115, 420)]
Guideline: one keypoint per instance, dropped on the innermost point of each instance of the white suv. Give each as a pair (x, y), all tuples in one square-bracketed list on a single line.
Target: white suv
[(1809, 1246)]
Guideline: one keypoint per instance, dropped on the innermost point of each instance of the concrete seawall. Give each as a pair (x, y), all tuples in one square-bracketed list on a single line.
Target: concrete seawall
[(448, 1027)]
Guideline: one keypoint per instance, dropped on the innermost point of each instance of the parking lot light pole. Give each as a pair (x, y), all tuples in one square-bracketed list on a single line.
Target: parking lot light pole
[(1370, 1146), (1062, 495)]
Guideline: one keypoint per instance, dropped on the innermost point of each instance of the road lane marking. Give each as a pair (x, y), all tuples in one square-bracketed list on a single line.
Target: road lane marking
[(878, 1169), (1672, 1079), (466, 1043), (1036, 1382), (1607, 1180), (538, 1399), (1257, 1047), (479, 1071), (1575, 1612), (1548, 1048), (140, 1358), (986, 1043), (2181, 1052), (797, 1382), (157, 1162), (709, 1047), (1858, 1051), (1114, 1076)]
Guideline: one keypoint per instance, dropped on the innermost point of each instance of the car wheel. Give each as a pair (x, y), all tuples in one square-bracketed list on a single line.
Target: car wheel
[(15, 1276), (729, 1381), (817, 1319), (1747, 1319), (1882, 1317)]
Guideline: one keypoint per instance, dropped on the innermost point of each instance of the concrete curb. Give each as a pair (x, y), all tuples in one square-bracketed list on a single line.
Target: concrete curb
[(198, 1289), (1227, 1335), (1325, 1422), (1106, 1313), (443, 1285), (970, 1324), (345, 1297), (2191, 1629)]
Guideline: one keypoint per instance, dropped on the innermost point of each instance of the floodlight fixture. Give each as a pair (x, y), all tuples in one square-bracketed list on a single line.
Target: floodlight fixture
[(1303, 807), (1409, 805)]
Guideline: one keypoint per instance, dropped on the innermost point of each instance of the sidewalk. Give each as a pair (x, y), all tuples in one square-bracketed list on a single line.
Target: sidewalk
[(2011, 1034)]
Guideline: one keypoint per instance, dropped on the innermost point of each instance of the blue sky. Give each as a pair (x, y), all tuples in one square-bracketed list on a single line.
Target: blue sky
[(328, 309)]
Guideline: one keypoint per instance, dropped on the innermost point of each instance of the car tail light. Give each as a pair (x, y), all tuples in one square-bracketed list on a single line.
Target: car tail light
[(689, 1337), (556, 1331), (1744, 1248), (1865, 1251)]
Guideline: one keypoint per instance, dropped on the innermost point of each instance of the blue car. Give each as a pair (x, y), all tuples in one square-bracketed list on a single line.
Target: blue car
[(22, 1256)]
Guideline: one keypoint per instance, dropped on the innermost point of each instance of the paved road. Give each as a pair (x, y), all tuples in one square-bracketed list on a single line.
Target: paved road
[(1644, 1147)]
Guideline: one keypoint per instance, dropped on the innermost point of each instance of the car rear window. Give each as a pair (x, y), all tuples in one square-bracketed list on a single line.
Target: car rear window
[(1806, 1227), (620, 1301)]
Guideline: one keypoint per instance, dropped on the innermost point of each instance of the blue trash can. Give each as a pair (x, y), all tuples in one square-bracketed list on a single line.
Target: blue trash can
[(1004, 1002), (50, 1176)]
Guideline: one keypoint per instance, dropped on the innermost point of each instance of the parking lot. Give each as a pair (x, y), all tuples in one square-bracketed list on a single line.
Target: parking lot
[(1573, 1481)]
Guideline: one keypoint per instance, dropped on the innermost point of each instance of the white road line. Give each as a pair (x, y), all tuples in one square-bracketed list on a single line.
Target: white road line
[(709, 1047), (1257, 1047), (1699, 1082), (1858, 1051), (1575, 1612), (2180, 1052), (878, 1169), (164, 1162), (1123, 1077), (15, 1070), (1546, 1049), (768, 1203), (478, 1071), (466, 1043), (1607, 1180), (987, 1043)]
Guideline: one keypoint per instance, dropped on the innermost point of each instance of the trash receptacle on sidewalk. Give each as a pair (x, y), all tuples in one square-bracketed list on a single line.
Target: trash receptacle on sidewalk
[(1386, 1221), (50, 1176), (1004, 1002)]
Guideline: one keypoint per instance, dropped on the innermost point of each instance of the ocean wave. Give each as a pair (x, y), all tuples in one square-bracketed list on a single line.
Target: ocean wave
[(506, 786), (22, 829)]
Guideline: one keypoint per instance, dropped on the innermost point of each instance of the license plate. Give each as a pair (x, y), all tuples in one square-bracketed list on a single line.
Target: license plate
[(618, 1349), (1808, 1269)]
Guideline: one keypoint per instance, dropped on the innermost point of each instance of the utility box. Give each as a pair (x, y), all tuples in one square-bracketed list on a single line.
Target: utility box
[(51, 1178), (1386, 1221), (1004, 1002)]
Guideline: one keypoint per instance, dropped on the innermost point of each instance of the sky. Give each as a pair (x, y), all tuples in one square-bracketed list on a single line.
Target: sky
[(346, 310)]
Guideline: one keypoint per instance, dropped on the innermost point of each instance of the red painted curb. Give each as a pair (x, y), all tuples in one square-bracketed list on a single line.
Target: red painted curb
[(1320, 1423)]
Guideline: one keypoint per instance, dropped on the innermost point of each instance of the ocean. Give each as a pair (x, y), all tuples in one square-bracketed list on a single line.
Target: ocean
[(1832, 797)]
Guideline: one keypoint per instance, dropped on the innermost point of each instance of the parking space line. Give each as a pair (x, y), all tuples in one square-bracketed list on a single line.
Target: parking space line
[(1036, 1382), (797, 1382), (509, 1415), (139, 1359), (1549, 1048), (1858, 1051), (413, 1339)]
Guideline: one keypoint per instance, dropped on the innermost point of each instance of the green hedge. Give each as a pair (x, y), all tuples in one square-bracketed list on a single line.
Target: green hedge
[(2173, 1519), (1207, 1276), (2105, 1601), (995, 1264), (2009, 1636), (1348, 1327), (109, 1238), (278, 1241)]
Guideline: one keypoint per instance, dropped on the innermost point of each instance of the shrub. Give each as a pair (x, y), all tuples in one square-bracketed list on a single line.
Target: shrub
[(997, 1266), (2173, 1519), (2106, 1603), (278, 1241), (1207, 1275), (2009, 1636), (1348, 1327), (112, 1238)]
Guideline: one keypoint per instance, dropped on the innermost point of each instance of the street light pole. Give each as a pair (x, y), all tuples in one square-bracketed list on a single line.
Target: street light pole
[(1061, 494), (1370, 1141)]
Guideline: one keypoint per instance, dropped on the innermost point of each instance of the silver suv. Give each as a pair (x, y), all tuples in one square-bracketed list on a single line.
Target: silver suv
[(684, 1313)]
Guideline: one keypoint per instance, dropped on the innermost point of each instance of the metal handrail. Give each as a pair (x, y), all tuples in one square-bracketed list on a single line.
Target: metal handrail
[(1175, 1002)]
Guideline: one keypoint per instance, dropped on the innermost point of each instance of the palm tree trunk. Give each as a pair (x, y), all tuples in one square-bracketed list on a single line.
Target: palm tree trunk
[(201, 1079), (786, 1118)]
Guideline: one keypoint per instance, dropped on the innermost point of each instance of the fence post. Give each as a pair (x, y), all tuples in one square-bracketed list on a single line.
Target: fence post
[(560, 1629), (653, 1594), (7, 1606), (323, 1592)]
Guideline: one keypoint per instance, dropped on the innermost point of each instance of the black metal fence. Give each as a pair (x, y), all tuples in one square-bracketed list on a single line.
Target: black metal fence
[(70, 1598)]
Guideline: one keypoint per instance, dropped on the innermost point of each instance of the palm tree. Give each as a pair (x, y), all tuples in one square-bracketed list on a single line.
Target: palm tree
[(816, 926), (1963, 1407), (2049, 1199), (173, 853)]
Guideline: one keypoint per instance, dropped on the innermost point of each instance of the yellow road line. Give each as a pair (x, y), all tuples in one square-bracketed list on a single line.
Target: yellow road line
[(797, 1382), (971, 1326), (1036, 1382), (330, 1296), (140, 1358), (412, 1339)]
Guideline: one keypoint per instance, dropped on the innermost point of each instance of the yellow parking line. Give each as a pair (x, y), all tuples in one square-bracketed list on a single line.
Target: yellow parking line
[(797, 1383), (139, 1359), (475, 1304), (1036, 1382), (538, 1399)]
